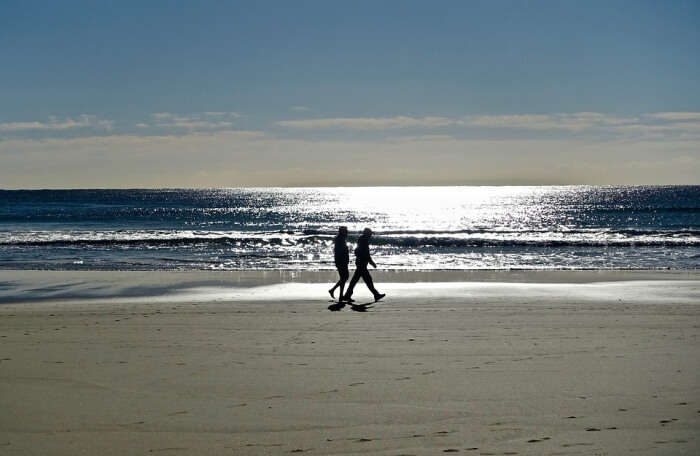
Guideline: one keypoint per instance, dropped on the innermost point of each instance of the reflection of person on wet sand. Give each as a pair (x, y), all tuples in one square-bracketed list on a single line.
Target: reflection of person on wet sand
[(342, 258), (362, 259)]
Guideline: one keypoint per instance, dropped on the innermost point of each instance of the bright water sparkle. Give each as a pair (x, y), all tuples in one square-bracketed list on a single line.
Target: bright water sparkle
[(416, 227)]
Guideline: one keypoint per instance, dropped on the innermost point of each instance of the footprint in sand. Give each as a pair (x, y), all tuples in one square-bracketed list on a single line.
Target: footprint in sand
[(542, 439), (363, 440), (261, 445), (568, 445), (182, 412), (356, 383), (592, 429), (403, 378), (451, 450)]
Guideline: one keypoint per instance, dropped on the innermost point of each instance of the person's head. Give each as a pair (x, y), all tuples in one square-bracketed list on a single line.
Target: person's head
[(343, 231), (367, 232)]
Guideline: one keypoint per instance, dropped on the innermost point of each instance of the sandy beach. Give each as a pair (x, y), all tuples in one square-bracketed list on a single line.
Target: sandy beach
[(484, 363)]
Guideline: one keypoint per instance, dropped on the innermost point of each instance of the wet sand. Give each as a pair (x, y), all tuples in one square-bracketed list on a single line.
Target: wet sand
[(586, 362)]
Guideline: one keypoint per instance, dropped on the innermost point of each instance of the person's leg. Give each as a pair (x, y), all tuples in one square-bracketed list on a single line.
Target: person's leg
[(355, 277), (344, 275), (332, 290), (369, 282), (337, 284)]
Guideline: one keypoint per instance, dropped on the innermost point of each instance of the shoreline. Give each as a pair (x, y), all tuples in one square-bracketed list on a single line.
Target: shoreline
[(26, 286)]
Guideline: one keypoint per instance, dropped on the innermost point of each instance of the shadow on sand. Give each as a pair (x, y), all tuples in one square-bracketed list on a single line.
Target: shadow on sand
[(356, 307)]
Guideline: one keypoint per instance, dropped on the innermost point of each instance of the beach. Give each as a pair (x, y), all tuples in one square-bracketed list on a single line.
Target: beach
[(480, 362)]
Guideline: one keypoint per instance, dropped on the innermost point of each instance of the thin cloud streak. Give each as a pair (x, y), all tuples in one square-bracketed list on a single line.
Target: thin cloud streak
[(56, 124), (571, 122), (198, 121), (368, 123), (568, 122), (676, 115)]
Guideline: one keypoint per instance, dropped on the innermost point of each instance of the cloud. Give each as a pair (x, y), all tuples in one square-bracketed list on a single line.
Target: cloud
[(571, 122), (574, 122), (668, 123), (299, 108), (421, 138), (678, 116), (670, 127), (197, 121), (56, 124), (235, 115), (368, 123)]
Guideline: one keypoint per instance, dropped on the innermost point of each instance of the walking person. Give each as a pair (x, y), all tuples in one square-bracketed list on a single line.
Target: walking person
[(362, 259), (342, 259)]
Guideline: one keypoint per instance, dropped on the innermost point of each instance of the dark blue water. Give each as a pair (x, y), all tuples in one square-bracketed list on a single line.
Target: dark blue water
[(580, 227)]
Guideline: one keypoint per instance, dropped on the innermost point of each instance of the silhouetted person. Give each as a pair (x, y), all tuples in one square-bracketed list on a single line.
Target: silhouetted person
[(362, 259), (342, 259)]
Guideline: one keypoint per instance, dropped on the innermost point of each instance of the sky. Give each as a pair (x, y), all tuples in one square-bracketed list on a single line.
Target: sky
[(133, 94)]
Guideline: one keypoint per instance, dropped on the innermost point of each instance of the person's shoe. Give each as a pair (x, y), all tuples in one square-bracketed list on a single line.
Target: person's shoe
[(347, 299), (379, 296), (330, 292)]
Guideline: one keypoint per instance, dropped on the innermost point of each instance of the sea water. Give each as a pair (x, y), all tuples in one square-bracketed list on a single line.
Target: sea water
[(416, 228)]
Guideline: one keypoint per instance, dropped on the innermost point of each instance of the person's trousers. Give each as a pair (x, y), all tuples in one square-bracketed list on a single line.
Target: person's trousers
[(361, 271)]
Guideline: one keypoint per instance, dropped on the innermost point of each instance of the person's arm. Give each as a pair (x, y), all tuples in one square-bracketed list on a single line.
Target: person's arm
[(370, 261)]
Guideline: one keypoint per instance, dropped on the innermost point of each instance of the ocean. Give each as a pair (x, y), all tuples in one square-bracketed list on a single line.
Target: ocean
[(416, 228)]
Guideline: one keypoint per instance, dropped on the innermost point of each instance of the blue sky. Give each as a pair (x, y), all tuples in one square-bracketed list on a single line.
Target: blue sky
[(344, 77)]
